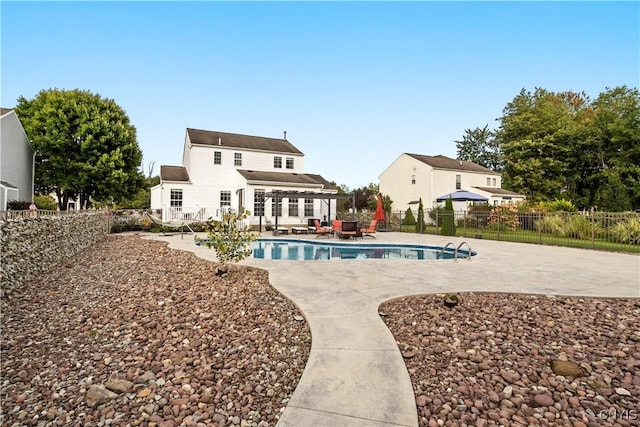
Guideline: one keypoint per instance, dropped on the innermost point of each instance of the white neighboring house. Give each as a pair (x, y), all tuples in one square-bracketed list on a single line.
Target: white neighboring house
[(16, 160), (412, 177), (222, 171)]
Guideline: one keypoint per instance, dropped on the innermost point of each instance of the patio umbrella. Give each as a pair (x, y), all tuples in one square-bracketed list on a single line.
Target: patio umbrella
[(379, 216), (462, 196)]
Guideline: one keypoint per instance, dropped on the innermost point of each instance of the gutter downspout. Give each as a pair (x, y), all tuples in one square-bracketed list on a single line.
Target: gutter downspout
[(33, 175)]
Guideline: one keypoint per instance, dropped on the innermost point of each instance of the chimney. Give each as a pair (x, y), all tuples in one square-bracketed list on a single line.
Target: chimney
[(460, 162), (285, 135), (219, 141)]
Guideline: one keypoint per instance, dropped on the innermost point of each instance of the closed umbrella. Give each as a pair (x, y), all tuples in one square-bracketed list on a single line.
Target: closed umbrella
[(379, 209)]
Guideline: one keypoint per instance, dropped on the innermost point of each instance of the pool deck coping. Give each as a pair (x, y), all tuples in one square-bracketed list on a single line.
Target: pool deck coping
[(355, 375)]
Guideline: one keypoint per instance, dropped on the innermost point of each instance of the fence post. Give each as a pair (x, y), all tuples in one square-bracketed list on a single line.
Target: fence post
[(539, 228), (593, 229), (499, 217), (436, 222), (464, 218)]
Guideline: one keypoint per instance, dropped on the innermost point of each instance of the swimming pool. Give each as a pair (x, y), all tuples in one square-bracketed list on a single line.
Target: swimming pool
[(304, 250)]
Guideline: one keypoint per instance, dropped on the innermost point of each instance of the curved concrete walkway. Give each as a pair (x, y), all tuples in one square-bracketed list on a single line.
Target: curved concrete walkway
[(355, 375)]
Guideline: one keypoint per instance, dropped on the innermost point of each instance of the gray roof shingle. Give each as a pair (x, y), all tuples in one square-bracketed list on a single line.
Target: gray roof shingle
[(444, 162), (499, 191), (174, 173), (208, 137), (281, 177)]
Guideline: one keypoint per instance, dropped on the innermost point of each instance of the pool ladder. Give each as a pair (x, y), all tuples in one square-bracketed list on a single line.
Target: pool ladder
[(455, 250)]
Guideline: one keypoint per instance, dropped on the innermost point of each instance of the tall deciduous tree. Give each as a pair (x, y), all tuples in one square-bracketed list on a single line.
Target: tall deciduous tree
[(479, 146), (538, 135), (85, 146)]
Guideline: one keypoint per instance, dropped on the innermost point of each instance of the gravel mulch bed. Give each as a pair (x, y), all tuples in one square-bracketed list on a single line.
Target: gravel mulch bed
[(517, 360), (132, 333)]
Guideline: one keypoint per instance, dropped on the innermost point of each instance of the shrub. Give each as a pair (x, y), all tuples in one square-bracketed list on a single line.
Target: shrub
[(18, 205), (559, 205), (436, 215), (409, 219), (230, 238), (45, 202), (504, 217), (551, 224), (448, 221), (627, 231), (580, 227), (420, 225)]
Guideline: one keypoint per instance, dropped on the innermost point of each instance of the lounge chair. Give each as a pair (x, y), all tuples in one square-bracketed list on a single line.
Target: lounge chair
[(171, 224), (336, 226), (371, 230), (322, 231)]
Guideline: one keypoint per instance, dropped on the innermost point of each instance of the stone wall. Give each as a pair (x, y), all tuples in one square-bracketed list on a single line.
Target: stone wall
[(34, 245)]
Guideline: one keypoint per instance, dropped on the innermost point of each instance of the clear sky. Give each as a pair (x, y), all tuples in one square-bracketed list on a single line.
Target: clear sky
[(354, 84)]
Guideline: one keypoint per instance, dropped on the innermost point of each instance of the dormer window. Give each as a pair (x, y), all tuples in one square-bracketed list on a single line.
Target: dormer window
[(277, 162)]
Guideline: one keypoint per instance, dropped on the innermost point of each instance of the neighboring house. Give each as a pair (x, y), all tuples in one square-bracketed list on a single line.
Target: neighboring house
[(16, 160), (222, 171), (412, 177)]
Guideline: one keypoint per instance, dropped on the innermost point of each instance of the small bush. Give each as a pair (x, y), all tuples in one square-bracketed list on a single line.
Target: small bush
[(580, 227), (504, 217), (551, 224), (436, 215), (559, 205), (420, 225), (627, 231), (409, 219), (18, 205), (448, 222), (45, 202)]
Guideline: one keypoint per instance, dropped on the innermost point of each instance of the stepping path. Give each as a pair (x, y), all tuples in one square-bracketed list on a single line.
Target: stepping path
[(355, 375)]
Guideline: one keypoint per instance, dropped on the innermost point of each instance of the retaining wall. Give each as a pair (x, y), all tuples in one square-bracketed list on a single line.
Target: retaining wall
[(30, 246)]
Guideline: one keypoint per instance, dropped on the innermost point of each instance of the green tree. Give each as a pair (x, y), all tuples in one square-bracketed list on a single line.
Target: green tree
[(45, 202), (538, 135), (448, 219), (85, 146), (613, 195), (480, 146), (408, 219), (420, 224), (230, 238)]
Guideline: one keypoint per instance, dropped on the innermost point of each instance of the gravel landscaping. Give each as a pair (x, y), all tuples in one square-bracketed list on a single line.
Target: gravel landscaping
[(517, 360), (132, 333)]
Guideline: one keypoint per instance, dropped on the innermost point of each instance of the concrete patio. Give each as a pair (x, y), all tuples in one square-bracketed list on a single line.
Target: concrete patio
[(355, 375)]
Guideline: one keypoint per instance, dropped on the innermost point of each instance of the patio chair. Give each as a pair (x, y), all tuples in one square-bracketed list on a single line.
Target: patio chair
[(336, 226), (322, 231), (371, 230), (349, 229)]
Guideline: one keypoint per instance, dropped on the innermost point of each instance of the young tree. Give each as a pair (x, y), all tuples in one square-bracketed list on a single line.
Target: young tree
[(420, 224), (479, 146), (230, 238), (448, 219), (85, 146)]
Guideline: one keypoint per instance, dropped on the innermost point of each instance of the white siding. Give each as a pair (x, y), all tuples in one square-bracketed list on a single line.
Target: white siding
[(396, 182), (16, 158)]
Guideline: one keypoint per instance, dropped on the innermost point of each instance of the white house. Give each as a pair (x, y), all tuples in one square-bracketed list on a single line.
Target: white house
[(223, 171), (16, 160), (412, 177)]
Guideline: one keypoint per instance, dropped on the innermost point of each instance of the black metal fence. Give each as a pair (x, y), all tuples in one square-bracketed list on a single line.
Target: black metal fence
[(590, 229)]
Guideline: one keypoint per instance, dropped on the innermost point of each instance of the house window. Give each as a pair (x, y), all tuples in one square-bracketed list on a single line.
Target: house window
[(176, 198), (277, 162), (308, 207), (258, 206), (289, 162), (276, 211), (413, 179), (217, 157), (494, 182), (237, 159), (293, 207), (488, 181), (458, 182), (225, 198)]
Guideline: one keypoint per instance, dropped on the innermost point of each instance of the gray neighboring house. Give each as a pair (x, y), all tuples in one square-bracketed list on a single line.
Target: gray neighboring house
[(16, 160)]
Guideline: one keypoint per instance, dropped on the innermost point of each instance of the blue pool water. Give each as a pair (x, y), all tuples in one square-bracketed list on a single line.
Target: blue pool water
[(298, 250)]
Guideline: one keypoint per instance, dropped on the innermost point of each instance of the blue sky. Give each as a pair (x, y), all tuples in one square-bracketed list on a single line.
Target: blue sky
[(354, 84)]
